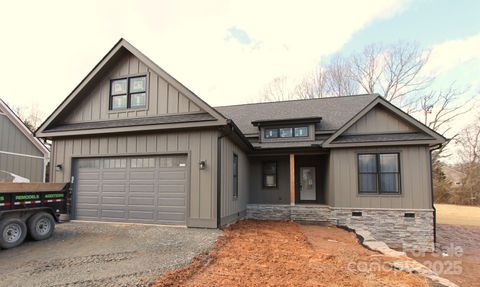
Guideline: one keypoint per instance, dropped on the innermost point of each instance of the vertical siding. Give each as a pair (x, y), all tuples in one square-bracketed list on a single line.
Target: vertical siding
[(28, 167), (162, 97), (13, 140), (201, 145), (230, 205), (279, 195), (378, 120), (415, 179)]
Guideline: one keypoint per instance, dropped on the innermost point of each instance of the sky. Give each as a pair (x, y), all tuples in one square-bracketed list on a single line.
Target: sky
[(224, 51)]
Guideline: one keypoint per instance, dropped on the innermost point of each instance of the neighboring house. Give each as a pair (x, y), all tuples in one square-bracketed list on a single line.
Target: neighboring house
[(457, 178), (141, 147), (23, 158)]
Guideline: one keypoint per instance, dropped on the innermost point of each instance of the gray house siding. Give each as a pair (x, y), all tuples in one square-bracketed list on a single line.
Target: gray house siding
[(415, 179), (162, 97), (198, 145), (18, 154), (261, 195), (232, 207)]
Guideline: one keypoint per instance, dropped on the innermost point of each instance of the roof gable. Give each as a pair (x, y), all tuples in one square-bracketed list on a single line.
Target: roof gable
[(84, 102), (381, 121), (18, 123)]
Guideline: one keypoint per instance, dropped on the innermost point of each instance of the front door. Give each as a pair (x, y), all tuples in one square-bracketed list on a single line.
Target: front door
[(308, 190)]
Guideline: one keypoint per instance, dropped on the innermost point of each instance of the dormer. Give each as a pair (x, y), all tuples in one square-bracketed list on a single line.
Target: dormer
[(287, 130)]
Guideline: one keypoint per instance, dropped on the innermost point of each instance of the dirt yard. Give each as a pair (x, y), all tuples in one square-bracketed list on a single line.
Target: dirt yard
[(256, 253)]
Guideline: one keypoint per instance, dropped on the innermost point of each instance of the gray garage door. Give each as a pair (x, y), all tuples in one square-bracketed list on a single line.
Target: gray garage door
[(131, 189)]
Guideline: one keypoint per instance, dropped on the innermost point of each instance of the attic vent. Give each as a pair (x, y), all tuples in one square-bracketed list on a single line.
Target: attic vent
[(356, 213), (410, 214)]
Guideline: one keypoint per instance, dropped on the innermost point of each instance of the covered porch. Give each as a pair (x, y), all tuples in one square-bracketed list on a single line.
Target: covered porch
[(290, 185)]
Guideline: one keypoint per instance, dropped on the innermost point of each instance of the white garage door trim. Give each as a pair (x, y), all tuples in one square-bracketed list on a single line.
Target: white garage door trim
[(104, 190)]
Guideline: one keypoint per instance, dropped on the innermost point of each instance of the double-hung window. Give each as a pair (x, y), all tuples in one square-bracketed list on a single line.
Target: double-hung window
[(379, 173), (128, 93)]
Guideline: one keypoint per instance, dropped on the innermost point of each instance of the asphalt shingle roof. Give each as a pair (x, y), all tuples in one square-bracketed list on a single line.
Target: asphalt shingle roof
[(335, 111)]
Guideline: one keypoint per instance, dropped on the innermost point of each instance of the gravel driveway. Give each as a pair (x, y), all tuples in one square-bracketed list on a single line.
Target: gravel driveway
[(101, 254)]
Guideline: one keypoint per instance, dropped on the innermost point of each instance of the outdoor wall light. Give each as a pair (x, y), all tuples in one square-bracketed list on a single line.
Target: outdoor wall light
[(202, 164), (59, 167)]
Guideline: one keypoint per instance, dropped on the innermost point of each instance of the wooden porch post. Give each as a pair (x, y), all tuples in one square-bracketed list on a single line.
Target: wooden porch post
[(292, 179)]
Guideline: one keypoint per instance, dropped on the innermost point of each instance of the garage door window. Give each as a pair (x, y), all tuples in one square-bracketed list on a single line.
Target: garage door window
[(115, 163), (89, 163), (145, 162), (173, 161)]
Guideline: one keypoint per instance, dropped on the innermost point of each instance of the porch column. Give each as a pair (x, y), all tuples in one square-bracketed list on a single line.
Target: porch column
[(292, 179)]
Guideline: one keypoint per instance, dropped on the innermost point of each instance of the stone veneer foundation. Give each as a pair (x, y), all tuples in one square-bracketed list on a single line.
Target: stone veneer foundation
[(395, 227)]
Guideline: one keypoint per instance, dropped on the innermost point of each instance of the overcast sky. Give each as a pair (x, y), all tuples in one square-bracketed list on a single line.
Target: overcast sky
[(225, 51)]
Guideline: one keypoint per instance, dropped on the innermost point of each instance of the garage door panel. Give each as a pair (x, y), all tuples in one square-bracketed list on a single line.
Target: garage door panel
[(149, 215), (171, 175), (142, 188), (171, 202), (112, 213), (141, 200), (113, 200), (142, 175), (88, 198), (85, 212), (114, 175), (138, 189)]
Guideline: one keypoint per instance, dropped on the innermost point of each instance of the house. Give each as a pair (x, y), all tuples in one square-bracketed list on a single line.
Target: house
[(23, 158), (141, 147)]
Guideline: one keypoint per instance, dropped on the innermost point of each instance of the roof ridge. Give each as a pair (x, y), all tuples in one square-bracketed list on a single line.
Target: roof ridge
[(298, 100)]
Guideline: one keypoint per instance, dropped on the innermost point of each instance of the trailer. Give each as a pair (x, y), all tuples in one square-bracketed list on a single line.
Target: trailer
[(30, 209)]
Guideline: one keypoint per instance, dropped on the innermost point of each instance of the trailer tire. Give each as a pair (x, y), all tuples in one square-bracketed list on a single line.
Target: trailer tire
[(41, 226), (12, 232)]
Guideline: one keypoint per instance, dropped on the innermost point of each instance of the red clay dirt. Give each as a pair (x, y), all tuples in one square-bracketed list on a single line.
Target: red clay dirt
[(266, 253)]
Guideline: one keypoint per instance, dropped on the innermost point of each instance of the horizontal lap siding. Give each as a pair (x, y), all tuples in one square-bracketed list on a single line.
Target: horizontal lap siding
[(200, 144), (162, 97), (415, 179)]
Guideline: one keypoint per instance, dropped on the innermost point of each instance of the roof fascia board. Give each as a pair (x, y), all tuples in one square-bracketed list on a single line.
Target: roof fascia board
[(53, 134), (385, 143), (391, 108), (21, 126)]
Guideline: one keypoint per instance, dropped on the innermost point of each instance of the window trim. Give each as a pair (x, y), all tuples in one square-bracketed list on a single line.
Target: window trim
[(128, 93), (235, 175), (264, 163), (378, 174)]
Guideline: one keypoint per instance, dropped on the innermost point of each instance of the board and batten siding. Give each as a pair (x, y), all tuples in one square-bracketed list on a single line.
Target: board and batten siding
[(162, 98), (199, 145), (233, 208), (18, 154), (415, 179), (378, 121)]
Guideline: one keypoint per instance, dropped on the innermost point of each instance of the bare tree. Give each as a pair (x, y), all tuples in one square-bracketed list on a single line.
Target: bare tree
[(393, 71), (277, 90), (312, 86), (338, 77), (440, 108), (468, 141), (31, 116)]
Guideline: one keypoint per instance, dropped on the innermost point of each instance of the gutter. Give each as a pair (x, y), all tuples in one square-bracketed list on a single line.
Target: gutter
[(219, 178), (432, 193)]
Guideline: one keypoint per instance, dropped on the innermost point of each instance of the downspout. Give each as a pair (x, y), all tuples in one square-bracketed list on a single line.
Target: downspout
[(433, 194)]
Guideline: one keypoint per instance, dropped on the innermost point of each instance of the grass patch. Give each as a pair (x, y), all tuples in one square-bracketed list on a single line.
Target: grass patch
[(458, 214)]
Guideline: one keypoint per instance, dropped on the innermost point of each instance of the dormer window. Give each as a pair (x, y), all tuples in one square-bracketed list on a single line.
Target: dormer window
[(128, 93), (297, 132)]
